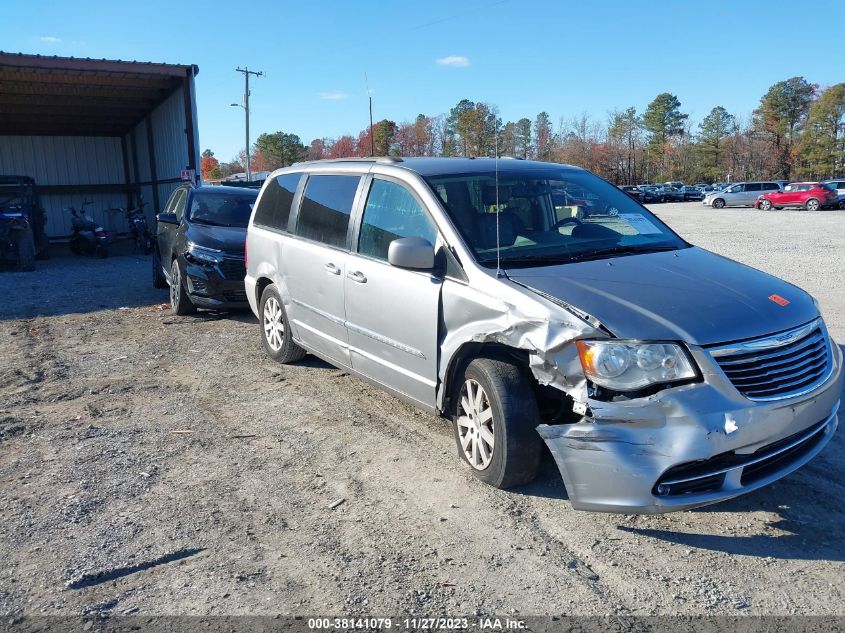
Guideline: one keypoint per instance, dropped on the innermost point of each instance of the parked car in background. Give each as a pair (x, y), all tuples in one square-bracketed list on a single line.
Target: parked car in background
[(740, 194), (674, 183), (199, 247), (806, 195), (692, 193), (632, 190), (673, 194), (672, 379), (838, 184), (650, 194)]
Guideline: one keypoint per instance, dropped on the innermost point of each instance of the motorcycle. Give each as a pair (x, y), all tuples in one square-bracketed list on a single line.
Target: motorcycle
[(136, 219), (89, 238)]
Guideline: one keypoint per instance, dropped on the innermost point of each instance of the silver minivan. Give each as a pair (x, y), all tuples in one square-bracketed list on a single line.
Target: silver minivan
[(660, 376), (740, 194)]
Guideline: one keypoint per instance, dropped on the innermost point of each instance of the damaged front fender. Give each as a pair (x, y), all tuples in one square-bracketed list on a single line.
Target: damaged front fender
[(546, 332)]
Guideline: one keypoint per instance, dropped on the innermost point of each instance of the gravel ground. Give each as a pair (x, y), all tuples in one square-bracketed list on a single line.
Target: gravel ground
[(153, 464)]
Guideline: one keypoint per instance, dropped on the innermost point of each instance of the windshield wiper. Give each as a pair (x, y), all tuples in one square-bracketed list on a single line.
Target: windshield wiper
[(208, 222), (581, 256), (632, 250)]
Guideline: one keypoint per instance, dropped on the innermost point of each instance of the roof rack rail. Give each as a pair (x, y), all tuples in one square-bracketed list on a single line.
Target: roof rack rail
[(355, 159)]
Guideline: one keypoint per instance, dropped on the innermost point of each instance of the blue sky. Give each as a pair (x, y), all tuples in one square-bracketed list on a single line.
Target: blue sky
[(525, 56)]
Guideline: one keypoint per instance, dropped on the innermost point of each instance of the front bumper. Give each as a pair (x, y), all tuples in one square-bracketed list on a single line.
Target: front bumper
[(218, 287), (719, 443)]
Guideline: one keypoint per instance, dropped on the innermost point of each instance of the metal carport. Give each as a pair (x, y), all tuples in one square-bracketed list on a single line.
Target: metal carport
[(104, 130)]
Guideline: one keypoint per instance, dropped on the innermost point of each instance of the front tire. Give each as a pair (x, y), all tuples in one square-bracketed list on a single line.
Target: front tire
[(766, 205), (180, 302), (812, 205), (276, 337), (495, 420), (718, 203), (159, 280)]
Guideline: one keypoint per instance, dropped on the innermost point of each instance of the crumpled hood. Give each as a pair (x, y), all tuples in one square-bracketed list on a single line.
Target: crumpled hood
[(228, 239), (691, 295)]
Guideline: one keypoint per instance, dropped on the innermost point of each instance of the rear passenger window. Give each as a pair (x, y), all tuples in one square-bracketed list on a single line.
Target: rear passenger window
[(326, 207), (770, 186), (391, 212), (274, 209), (753, 186)]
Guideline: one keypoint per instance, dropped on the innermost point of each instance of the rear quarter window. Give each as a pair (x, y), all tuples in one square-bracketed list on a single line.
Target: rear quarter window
[(274, 208), (326, 208)]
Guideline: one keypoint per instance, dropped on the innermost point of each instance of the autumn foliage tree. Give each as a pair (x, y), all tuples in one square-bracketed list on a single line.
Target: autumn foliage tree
[(209, 166)]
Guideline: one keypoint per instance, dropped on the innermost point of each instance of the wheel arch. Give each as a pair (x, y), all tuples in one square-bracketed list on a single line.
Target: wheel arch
[(468, 352)]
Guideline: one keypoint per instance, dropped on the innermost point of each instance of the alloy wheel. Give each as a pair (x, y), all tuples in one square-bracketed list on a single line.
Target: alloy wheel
[(475, 425), (812, 205), (175, 285), (274, 327)]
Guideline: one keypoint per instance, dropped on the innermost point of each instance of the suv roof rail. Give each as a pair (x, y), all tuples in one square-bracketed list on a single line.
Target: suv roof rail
[(354, 159)]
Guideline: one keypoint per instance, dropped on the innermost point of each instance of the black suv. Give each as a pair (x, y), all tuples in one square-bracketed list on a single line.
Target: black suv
[(199, 249), (22, 236)]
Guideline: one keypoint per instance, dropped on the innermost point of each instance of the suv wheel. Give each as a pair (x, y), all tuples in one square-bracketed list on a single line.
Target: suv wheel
[(180, 302), (718, 203), (766, 205), (495, 417), (812, 205), (276, 336), (26, 251)]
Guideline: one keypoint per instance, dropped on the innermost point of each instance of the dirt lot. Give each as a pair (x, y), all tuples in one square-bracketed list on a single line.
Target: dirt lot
[(155, 464)]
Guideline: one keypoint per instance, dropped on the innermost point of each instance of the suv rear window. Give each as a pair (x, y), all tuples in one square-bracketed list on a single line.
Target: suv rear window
[(326, 207), (274, 208)]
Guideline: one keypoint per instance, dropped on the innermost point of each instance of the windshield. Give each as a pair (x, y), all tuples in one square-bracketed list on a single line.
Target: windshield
[(553, 216), (222, 208)]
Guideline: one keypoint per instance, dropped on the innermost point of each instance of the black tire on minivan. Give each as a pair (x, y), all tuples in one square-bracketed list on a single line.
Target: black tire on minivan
[(276, 338), (502, 416)]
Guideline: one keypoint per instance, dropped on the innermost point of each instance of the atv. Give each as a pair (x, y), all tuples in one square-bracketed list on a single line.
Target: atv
[(22, 236)]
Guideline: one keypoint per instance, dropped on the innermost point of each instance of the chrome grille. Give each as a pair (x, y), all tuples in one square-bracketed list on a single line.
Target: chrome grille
[(779, 366)]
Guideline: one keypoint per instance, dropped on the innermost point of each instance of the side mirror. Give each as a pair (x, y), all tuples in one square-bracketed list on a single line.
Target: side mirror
[(167, 218), (415, 253)]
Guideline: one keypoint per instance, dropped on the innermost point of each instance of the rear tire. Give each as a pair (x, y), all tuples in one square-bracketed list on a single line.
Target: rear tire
[(276, 337), (180, 302), (718, 203), (26, 252), (495, 401), (812, 205)]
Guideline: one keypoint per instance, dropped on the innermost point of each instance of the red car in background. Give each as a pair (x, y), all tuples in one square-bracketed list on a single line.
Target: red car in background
[(807, 195)]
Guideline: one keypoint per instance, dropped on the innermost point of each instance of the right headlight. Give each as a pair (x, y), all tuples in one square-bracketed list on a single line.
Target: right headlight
[(630, 365)]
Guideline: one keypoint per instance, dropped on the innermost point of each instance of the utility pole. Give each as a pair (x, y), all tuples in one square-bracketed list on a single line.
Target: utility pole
[(370, 96), (247, 72)]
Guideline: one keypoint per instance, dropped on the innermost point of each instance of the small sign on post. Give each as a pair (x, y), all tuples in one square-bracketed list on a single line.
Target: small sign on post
[(188, 174)]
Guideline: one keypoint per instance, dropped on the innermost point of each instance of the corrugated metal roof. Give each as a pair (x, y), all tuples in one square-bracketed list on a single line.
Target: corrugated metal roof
[(69, 96)]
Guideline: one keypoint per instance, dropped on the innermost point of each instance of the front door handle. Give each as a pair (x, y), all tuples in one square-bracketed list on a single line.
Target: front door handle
[(332, 269), (357, 277)]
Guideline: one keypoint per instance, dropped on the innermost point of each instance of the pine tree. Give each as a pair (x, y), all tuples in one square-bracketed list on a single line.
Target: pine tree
[(821, 153), (781, 113), (663, 120), (713, 130)]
